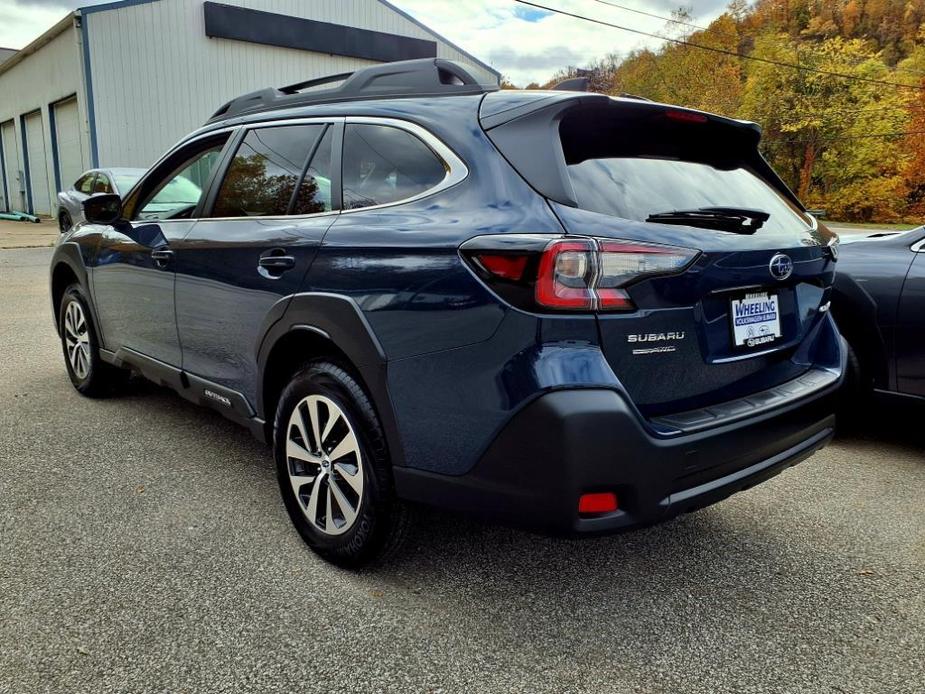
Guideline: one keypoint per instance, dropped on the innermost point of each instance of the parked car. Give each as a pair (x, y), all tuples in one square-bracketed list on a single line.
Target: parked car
[(93, 182), (879, 305), (565, 311)]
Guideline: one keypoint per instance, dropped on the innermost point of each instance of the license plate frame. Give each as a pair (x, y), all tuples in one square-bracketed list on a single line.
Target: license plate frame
[(754, 320)]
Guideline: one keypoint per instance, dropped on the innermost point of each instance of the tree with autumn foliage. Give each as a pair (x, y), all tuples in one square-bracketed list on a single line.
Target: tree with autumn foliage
[(855, 145)]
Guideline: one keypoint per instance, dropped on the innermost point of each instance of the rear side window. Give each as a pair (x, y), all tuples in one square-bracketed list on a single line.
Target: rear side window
[(265, 171), (102, 184), (636, 167), (383, 164)]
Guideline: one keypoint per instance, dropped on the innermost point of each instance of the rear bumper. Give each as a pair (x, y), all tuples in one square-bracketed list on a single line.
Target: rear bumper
[(572, 442)]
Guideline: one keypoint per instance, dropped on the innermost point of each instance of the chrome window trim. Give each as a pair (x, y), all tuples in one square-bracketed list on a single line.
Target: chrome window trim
[(457, 171)]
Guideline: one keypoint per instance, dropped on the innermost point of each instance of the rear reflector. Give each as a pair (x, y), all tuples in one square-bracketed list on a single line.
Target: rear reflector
[(508, 267), (604, 502)]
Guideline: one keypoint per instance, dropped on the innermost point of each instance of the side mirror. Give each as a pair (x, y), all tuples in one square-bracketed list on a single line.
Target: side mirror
[(103, 209)]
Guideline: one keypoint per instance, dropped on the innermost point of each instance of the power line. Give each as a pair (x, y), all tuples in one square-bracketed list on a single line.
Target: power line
[(723, 51), (649, 14)]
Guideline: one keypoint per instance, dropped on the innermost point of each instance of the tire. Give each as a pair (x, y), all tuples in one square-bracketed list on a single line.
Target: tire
[(64, 222), (79, 342), (355, 518)]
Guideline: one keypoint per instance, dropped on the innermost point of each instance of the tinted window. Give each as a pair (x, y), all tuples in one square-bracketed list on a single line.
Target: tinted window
[(315, 190), (634, 188), (384, 164), (102, 184), (174, 190), (85, 184), (265, 170), (630, 161)]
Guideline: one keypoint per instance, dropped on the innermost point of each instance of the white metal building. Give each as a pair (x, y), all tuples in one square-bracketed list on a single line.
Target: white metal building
[(117, 84)]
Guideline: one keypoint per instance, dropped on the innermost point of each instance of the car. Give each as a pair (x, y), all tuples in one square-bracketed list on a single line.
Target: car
[(93, 182), (879, 304), (569, 312)]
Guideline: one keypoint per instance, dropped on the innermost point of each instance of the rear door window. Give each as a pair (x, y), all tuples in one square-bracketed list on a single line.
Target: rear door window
[(268, 166), (384, 164), (314, 193), (102, 184)]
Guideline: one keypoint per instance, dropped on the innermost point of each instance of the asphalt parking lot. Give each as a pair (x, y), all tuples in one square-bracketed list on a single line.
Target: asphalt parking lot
[(143, 547)]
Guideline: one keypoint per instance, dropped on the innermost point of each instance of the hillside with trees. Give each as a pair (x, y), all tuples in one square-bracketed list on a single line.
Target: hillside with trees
[(847, 133)]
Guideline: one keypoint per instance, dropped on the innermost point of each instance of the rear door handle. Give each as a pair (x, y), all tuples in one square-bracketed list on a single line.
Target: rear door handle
[(273, 264), (278, 262), (162, 256)]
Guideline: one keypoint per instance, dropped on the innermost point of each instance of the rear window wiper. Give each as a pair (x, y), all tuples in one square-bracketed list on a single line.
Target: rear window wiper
[(738, 220)]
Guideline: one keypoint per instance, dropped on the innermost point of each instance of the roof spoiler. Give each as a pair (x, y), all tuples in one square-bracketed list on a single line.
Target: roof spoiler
[(576, 84)]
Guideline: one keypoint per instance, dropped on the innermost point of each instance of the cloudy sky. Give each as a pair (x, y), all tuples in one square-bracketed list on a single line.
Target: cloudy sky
[(523, 43)]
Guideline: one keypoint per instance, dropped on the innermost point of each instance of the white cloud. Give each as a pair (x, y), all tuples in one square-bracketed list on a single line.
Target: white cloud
[(20, 23), (531, 51), (520, 42)]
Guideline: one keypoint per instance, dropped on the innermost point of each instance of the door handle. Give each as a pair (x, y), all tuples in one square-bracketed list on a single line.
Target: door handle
[(278, 262), (162, 256), (274, 263)]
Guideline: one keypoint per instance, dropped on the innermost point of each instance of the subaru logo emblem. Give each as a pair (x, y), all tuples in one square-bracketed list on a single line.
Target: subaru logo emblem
[(781, 267)]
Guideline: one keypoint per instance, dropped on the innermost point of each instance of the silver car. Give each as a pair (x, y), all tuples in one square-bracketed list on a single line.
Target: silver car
[(93, 182)]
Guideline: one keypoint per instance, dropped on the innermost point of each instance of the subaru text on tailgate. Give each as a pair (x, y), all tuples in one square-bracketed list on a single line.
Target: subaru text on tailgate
[(560, 310)]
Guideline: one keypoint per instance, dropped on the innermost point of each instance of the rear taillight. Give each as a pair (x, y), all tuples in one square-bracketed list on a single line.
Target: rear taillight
[(574, 273)]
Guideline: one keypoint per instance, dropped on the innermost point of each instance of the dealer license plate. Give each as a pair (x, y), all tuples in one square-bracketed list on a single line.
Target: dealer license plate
[(755, 319)]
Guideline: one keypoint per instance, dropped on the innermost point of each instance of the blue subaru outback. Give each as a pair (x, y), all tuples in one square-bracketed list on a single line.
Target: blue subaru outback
[(561, 310)]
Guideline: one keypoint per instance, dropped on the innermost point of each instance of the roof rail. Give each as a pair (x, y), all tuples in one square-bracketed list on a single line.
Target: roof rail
[(403, 79)]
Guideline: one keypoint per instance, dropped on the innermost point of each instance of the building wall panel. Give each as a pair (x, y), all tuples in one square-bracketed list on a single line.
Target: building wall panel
[(12, 166), (37, 158), (68, 138), (156, 76), (45, 77)]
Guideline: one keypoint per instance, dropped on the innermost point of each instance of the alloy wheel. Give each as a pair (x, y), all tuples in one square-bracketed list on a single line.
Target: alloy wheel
[(325, 465), (77, 339)]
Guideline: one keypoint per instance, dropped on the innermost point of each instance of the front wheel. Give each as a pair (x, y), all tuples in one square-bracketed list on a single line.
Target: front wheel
[(90, 375), (333, 468)]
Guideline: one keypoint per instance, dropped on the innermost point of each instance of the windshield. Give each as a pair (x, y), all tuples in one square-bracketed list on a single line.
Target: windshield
[(638, 187), (125, 181)]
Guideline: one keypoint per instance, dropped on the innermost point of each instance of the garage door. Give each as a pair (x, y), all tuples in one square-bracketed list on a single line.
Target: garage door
[(38, 164), (11, 166), (67, 137)]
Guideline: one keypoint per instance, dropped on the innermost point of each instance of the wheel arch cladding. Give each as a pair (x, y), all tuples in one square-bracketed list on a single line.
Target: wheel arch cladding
[(65, 271), (325, 325), (855, 313)]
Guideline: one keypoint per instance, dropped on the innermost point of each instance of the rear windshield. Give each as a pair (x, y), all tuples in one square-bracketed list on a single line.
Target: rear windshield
[(636, 166)]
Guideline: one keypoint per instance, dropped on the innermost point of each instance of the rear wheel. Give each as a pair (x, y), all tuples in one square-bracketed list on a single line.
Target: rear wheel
[(89, 374), (64, 221), (333, 468)]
